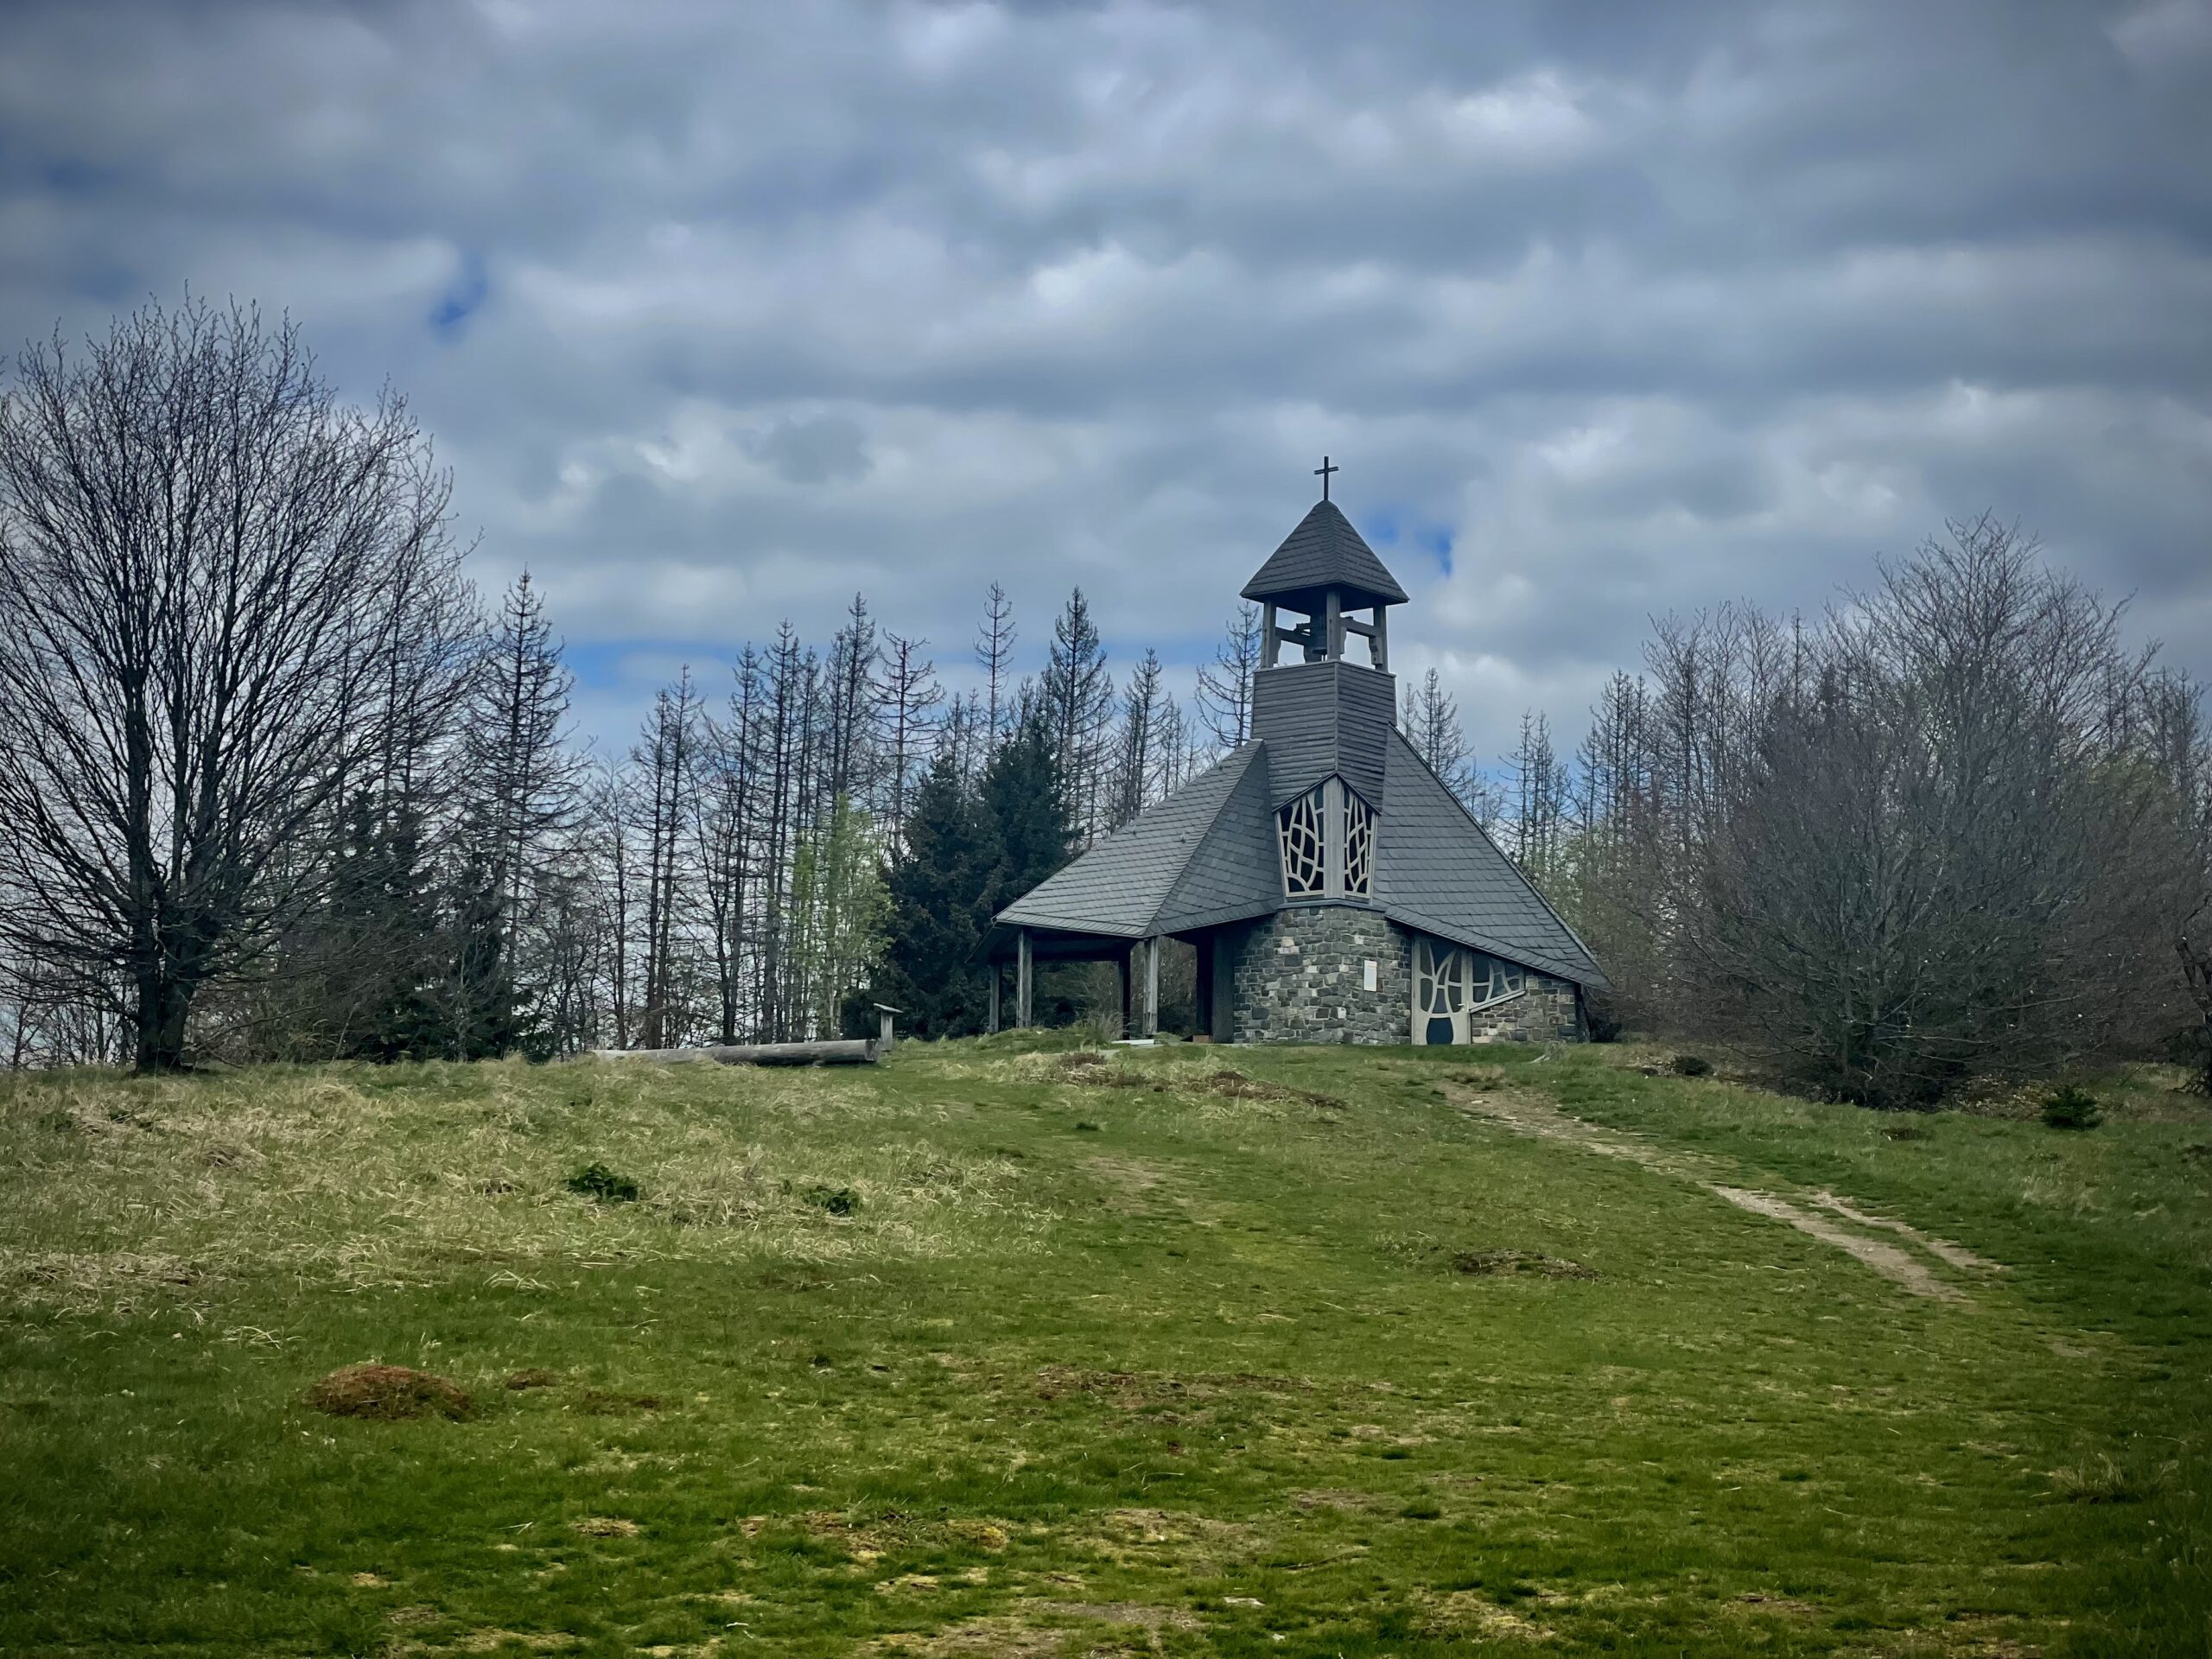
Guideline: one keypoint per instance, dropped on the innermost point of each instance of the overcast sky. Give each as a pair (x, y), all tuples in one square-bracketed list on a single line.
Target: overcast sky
[(721, 311)]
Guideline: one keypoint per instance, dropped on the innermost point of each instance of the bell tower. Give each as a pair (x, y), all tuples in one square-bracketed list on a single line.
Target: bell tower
[(1326, 574), (1325, 714)]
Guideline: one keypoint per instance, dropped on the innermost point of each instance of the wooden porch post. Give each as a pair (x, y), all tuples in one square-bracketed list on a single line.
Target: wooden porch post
[(1024, 976), (1148, 1014), (998, 973), (1123, 976), (1206, 983)]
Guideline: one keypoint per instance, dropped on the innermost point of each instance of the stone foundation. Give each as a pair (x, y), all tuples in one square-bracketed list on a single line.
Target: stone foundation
[(1300, 976)]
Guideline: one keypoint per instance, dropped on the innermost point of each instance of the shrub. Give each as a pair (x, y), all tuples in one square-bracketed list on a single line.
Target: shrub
[(2072, 1109), (1692, 1066), (837, 1201), (598, 1182)]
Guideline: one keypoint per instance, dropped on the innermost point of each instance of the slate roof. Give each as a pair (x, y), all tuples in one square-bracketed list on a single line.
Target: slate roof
[(1324, 551), (1205, 854), (1438, 872)]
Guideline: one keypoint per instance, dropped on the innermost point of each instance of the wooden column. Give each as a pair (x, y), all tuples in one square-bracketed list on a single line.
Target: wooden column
[(1121, 976), (1204, 983), (1149, 1007), (1267, 641), (1025, 977), (1332, 626), (1380, 645), (998, 973)]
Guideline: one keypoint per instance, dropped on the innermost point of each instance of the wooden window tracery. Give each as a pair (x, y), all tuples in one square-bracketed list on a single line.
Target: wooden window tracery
[(1304, 852), (1359, 847), (1451, 983)]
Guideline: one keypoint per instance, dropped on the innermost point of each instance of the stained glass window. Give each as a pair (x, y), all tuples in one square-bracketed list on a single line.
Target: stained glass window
[(1305, 869)]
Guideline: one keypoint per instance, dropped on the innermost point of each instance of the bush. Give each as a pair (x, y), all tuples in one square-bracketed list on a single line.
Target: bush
[(2072, 1109), (1692, 1066), (597, 1181)]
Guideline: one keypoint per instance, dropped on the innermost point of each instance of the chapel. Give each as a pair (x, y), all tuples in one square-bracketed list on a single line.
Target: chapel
[(1335, 890)]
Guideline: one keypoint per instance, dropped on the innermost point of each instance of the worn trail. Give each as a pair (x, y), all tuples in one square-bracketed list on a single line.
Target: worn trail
[(1529, 1115)]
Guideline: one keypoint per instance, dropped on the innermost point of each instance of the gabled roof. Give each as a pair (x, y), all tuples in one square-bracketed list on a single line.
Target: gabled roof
[(1437, 871), (1324, 552), (1205, 854)]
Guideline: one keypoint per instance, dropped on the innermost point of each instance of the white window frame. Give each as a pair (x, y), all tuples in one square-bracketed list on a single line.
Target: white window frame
[(1446, 987)]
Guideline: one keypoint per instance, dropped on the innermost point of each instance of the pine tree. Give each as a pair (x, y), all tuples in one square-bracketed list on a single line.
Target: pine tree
[(1026, 803), (481, 1017), (940, 897)]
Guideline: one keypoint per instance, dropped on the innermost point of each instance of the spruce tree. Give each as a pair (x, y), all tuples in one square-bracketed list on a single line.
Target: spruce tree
[(1026, 802), (940, 904)]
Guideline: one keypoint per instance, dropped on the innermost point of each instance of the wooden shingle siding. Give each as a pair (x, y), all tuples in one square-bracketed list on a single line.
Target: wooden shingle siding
[(1324, 719)]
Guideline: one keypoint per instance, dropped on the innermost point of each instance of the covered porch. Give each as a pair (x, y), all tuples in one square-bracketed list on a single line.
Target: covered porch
[(1014, 953)]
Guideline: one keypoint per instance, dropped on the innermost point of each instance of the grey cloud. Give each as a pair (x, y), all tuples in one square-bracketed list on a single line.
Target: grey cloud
[(830, 449), (1646, 307)]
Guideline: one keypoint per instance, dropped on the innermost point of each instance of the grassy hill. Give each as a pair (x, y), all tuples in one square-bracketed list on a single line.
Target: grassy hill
[(999, 1349)]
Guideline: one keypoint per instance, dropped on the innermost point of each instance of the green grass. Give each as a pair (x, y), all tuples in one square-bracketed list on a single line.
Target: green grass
[(1108, 1360)]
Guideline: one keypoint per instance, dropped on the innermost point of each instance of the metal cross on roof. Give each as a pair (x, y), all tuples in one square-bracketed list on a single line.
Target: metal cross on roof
[(1323, 472)]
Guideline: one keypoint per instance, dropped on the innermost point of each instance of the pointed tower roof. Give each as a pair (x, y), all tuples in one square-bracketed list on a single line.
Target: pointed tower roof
[(1324, 552)]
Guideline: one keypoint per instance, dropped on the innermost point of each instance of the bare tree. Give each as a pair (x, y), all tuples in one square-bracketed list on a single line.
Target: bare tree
[(1926, 863), (197, 548), (524, 773), (994, 654), (1225, 684), (666, 755), (1137, 759), (910, 694), (1429, 717)]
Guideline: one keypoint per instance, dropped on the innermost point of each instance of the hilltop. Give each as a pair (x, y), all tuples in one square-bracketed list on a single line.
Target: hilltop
[(1007, 1348)]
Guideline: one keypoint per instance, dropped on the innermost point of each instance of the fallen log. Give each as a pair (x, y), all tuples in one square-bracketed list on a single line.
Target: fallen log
[(843, 1052)]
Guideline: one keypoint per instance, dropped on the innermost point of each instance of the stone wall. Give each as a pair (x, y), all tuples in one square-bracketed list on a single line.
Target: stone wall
[(1300, 976), (1547, 1012)]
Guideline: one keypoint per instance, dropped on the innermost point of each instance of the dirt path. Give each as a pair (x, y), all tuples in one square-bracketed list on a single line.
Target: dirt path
[(1531, 1116)]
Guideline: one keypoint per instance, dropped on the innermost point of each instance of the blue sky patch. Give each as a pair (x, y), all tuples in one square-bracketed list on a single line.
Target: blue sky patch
[(463, 297)]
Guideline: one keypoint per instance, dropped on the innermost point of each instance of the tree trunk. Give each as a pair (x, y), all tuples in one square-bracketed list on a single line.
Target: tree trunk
[(163, 1003)]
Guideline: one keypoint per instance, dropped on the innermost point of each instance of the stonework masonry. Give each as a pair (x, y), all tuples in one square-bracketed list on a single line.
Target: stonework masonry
[(1547, 1012), (1300, 976)]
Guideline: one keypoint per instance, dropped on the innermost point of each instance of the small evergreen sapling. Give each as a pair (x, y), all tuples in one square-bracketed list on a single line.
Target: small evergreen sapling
[(598, 1182), (2072, 1109)]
